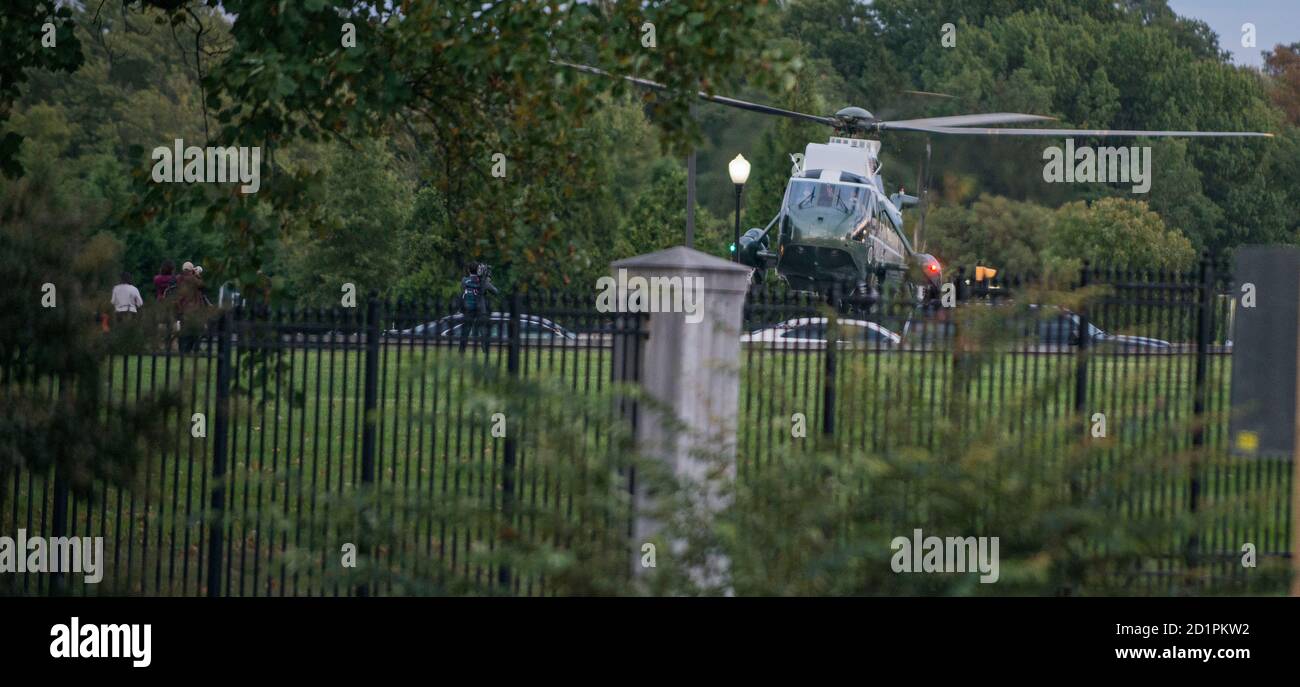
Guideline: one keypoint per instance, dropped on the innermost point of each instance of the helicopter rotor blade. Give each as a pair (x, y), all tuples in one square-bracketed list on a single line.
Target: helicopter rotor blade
[(968, 120), (908, 103), (765, 109), (931, 94), (957, 125), (960, 131), (719, 99)]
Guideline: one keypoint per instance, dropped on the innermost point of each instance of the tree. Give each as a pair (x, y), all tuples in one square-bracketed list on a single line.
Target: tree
[(130, 91), (993, 231), (53, 412), (496, 125), (1118, 233), (35, 21), (363, 206), (1105, 65), (1283, 65), (657, 219)]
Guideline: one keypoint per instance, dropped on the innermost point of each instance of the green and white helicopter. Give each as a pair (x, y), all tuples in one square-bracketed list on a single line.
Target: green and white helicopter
[(838, 225)]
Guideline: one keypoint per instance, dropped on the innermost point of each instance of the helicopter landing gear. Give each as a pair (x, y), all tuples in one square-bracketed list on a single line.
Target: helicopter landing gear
[(913, 292), (925, 294), (863, 298), (866, 295)]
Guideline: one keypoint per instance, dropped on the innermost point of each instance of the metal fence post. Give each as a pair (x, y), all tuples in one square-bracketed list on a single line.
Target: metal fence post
[(220, 446), (828, 371), (58, 529), (371, 398), (1081, 379), (1081, 356), (508, 460), (370, 417), (59, 518), (1204, 331), (956, 400)]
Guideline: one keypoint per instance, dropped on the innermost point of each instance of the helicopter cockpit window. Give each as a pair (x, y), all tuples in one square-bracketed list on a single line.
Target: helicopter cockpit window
[(828, 210)]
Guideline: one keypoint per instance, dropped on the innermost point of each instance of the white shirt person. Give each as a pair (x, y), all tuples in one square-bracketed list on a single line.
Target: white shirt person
[(126, 298)]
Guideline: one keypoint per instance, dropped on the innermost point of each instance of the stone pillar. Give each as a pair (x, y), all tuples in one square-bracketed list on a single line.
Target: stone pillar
[(689, 365)]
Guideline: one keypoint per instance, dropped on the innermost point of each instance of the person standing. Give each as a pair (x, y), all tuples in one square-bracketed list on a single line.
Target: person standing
[(164, 280), (189, 308), (473, 304), (126, 298), (203, 287)]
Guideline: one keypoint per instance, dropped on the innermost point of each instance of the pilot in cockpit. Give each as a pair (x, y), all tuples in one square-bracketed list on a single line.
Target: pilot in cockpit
[(825, 196)]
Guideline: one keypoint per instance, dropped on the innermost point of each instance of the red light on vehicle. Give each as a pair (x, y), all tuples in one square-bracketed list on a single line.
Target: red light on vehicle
[(933, 266)]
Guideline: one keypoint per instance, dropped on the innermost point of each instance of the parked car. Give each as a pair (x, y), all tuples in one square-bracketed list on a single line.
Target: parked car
[(531, 328), (810, 332), (1056, 326), (1046, 328)]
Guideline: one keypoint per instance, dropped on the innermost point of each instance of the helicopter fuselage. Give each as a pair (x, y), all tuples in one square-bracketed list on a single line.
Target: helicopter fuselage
[(838, 227)]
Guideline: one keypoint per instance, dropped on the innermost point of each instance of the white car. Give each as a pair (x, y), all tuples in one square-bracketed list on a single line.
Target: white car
[(810, 332)]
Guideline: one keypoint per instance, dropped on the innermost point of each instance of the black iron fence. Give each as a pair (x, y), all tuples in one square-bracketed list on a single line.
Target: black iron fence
[(1122, 363), (288, 413)]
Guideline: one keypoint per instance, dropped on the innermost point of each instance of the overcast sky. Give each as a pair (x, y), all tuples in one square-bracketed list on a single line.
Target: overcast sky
[(1276, 21)]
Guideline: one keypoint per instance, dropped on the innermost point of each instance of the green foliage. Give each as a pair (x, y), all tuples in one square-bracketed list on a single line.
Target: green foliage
[(363, 207), (823, 521), (1026, 238), (579, 164), (24, 22), (1112, 69), (1117, 233), (565, 531), (994, 231), (52, 411), (379, 164), (472, 90), (89, 129), (657, 219)]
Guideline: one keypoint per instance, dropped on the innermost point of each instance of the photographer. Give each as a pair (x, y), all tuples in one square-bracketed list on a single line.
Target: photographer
[(474, 310)]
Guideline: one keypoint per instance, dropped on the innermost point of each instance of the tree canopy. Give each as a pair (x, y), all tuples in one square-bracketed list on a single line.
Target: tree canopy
[(443, 132)]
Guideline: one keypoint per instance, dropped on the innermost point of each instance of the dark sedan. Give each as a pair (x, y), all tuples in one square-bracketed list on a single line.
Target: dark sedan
[(1046, 328), (531, 328)]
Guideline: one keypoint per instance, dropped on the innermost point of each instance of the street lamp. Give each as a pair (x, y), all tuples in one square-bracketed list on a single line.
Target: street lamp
[(739, 170)]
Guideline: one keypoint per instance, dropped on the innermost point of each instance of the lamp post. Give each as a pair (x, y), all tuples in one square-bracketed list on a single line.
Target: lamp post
[(739, 170)]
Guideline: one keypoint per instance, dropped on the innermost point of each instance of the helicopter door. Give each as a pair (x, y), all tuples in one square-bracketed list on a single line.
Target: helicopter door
[(887, 246)]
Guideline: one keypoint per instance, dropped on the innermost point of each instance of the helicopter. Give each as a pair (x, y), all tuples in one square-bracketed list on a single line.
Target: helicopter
[(838, 226)]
